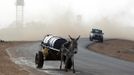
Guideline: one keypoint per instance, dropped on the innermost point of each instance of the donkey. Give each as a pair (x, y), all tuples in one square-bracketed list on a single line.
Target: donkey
[(68, 50)]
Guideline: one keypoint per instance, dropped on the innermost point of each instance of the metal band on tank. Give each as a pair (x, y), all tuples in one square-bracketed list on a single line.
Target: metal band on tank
[(47, 38), (49, 41), (52, 40)]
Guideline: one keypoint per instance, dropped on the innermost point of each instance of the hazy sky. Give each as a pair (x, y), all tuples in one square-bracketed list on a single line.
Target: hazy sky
[(89, 9), (60, 17)]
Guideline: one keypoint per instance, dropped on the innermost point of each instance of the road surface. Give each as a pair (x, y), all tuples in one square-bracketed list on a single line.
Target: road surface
[(86, 62)]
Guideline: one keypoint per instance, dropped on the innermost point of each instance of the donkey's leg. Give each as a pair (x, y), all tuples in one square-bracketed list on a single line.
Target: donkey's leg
[(61, 60), (66, 60), (73, 64)]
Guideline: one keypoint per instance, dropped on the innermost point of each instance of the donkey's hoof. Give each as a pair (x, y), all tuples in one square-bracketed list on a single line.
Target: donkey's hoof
[(73, 71), (60, 67), (66, 70)]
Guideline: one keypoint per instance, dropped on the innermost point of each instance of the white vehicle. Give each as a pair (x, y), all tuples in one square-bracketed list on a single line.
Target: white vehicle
[(96, 34)]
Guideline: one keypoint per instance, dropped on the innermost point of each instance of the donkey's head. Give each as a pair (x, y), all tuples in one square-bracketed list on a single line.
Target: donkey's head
[(73, 44)]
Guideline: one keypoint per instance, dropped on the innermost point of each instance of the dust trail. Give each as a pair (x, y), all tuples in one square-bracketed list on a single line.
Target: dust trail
[(112, 28)]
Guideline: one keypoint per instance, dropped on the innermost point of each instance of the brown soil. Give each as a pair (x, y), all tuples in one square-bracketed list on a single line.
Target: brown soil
[(122, 49), (7, 67)]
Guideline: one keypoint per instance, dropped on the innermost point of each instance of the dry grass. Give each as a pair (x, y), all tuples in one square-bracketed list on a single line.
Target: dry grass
[(122, 49)]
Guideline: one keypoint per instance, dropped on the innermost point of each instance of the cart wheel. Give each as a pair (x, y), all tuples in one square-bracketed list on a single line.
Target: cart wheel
[(36, 58), (69, 64), (39, 61)]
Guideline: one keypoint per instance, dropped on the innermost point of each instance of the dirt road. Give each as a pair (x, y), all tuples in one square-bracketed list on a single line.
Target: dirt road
[(7, 67)]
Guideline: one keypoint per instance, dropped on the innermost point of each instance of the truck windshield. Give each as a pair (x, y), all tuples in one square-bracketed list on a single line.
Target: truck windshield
[(96, 31)]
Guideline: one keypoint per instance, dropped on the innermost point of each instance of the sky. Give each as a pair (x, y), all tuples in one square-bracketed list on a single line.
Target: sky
[(89, 9), (61, 16)]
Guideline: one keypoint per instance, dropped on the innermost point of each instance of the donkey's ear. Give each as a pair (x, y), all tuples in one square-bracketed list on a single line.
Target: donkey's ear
[(78, 37), (70, 37)]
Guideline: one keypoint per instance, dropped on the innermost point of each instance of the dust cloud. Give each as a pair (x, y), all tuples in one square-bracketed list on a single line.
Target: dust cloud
[(67, 24), (64, 25), (60, 25)]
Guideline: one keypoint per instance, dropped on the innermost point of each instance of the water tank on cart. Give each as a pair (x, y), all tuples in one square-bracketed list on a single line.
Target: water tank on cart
[(53, 41)]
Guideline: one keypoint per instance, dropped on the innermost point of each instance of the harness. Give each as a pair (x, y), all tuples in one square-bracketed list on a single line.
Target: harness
[(66, 51)]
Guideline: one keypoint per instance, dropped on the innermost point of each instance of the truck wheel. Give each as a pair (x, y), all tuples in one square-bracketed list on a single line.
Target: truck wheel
[(91, 39), (68, 65), (39, 60), (101, 40)]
